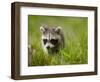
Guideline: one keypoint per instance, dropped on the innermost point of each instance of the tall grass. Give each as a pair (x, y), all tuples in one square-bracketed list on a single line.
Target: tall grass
[(76, 38)]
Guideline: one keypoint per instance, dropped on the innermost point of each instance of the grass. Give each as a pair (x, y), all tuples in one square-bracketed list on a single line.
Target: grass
[(76, 35)]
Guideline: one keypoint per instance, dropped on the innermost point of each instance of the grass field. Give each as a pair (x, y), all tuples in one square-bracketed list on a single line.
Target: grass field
[(76, 40)]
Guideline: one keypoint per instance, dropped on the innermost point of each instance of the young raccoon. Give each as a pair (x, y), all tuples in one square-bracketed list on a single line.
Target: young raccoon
[(52, 39)]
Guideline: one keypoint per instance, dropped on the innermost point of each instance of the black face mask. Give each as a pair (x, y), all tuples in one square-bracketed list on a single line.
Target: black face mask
[(53, 41)]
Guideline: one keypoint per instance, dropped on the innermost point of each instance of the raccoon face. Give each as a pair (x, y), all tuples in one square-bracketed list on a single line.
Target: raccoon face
[(50, 43), (50, 37)]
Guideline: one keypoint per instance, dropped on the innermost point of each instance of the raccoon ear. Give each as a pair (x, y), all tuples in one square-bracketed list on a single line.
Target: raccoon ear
[(58, 29), (43, 29)]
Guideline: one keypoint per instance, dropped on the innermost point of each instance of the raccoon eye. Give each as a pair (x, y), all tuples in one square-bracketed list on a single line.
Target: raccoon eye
[(44, 41), (54, 41)]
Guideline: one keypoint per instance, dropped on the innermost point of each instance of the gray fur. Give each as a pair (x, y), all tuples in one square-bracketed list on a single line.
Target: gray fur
[(52, 39)]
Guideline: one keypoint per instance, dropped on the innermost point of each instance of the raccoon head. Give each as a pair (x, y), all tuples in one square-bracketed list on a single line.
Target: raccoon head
[(51, 37)]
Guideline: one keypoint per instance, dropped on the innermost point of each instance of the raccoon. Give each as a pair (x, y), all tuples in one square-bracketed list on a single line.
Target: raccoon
[(52, 39)]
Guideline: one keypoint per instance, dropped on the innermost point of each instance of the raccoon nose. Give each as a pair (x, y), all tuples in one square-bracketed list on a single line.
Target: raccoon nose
[(48, 47)]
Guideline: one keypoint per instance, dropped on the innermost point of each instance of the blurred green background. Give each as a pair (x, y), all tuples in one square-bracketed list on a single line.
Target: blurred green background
[(76, 38)]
